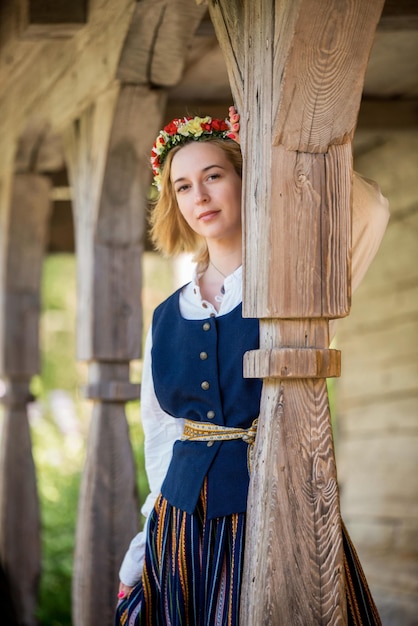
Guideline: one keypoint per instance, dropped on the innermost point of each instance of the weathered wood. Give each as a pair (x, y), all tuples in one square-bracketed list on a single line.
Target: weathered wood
[(323, 73), (228, 18), (108, 511), (110, 173), (292, 363), (58, 79), (39, 149), (108, 160), (306, 262), (293, 512), (20, 526), (24, 240), (297, 265), (154, 52), (23, 245), (304, 527)]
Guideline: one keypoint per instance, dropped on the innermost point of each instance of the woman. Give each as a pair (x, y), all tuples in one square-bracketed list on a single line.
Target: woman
[(185, 568)]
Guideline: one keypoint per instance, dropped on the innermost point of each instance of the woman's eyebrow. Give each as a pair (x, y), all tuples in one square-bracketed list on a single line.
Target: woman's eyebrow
[(208, 167)]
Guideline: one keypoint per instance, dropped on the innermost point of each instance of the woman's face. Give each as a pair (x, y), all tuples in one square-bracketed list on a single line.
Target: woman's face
[(208, 191)]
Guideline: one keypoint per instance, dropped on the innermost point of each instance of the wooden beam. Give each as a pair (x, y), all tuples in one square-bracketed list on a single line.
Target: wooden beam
[(154, 52), (107, 151), (58, 79)]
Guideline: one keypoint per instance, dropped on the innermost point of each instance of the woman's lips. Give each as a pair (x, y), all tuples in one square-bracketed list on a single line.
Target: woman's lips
[(207, 215)]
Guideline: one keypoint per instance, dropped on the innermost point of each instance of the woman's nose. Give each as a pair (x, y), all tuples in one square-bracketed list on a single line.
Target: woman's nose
[(201, 195)]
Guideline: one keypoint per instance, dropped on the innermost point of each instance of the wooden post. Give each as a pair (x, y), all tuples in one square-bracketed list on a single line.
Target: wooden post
[(299, 75), (107, 151), (23, 250)]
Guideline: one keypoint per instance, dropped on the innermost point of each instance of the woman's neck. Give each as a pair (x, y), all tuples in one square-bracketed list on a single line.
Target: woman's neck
[(221, 264), (225, 261)]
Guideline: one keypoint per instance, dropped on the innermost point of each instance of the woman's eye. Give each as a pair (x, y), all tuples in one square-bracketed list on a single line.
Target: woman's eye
[(182, 188), (213, 176)]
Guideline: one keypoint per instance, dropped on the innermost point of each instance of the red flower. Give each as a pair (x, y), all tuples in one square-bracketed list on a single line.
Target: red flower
[(171, 128), (219, 125)]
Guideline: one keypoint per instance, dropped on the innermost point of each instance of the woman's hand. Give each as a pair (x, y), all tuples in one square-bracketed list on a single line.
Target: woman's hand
[(124, 591), (234, 122)]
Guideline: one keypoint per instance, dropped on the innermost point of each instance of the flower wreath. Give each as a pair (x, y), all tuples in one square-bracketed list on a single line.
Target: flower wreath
[(180, 131)]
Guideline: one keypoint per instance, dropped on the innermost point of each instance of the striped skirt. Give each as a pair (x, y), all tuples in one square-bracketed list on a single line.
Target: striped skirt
[(193, 567)]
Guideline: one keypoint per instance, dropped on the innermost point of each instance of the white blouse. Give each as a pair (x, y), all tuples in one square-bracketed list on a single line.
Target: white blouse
[(370, 217)]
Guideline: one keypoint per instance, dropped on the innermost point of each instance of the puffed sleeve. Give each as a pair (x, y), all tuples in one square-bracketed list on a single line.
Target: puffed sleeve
[(160, 432), (370, 218)]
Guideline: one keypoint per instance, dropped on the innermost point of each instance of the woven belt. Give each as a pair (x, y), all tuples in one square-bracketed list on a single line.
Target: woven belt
[(201, 431)]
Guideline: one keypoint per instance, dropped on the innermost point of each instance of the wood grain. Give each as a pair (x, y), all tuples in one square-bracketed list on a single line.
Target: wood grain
[(287, 363), (293, 512), (297, 120), (324, 74), (293, 497), (228, 21), (155, 49), (110, 175), (57, 80), (302, 245), (107, 151)]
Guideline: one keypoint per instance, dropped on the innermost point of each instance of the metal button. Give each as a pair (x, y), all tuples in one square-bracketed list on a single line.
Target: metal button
[(203, 356), (206, 326), (205, 385), (210, 415), (210, 444), (204, 305)]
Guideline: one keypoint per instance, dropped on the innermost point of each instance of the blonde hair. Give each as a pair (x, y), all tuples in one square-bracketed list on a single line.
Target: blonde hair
[(169, 231)]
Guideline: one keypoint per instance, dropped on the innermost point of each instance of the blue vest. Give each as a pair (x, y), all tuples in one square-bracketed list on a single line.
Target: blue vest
[(197, 373)]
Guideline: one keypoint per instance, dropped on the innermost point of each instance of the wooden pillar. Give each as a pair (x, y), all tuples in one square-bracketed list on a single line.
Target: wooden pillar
[(107, 151), (297, 71), (23, 245)]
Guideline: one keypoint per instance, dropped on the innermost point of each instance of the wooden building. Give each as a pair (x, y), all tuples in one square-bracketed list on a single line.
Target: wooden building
[(84, 88)]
